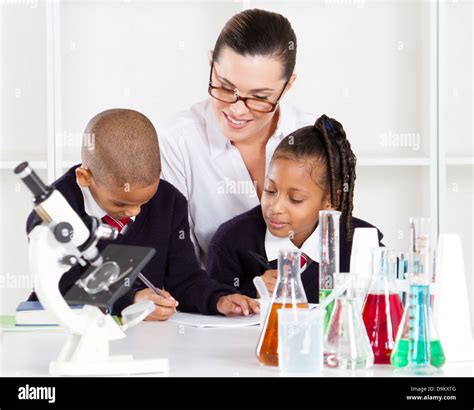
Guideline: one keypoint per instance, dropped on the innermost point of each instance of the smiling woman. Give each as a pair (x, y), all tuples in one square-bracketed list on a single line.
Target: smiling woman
[(228, 140)]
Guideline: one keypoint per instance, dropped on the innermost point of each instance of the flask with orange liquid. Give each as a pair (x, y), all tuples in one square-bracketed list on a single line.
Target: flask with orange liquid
[(289, 294)]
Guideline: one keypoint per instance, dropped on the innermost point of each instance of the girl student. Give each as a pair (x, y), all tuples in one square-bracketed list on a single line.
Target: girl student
[(312, 169)]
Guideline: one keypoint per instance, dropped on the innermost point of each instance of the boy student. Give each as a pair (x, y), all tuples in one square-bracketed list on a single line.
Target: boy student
[(119, 182), (312, 169)]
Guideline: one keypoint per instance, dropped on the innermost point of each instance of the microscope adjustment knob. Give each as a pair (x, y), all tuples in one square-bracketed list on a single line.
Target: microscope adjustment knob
[(69, 260), (63, 232)]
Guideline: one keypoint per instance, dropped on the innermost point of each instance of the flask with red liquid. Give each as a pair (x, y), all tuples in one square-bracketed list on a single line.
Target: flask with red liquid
[(383, 308), (289, 294)]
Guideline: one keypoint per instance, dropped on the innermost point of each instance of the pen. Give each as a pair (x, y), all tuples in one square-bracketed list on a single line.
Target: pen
[(260, 259), (150, 285)]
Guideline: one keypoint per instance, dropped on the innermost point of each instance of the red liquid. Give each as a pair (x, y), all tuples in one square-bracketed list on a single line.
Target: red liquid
[(376, 320)]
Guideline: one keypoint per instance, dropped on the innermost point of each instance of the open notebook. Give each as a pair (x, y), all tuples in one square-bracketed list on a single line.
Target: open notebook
[(202, 321), (205, 321)]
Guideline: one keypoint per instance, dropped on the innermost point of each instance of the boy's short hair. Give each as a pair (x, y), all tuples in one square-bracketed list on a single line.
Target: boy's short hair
[(120, 146)]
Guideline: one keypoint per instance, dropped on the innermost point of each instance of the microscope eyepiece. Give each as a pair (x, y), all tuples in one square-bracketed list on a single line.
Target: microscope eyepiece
[(19, 169), (33, 182)]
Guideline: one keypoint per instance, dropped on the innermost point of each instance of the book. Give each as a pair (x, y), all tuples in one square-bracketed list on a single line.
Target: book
[(8, 324), (32, 313)]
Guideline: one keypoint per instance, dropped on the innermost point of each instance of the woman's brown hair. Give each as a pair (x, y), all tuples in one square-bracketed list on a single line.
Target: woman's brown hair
[(259, 32)]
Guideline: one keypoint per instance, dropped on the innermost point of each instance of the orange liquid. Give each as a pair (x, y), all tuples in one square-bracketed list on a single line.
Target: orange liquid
[(267, 348)]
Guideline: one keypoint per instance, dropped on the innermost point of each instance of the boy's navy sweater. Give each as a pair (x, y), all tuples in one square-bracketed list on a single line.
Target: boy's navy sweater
[(229, 262), (163, 225)]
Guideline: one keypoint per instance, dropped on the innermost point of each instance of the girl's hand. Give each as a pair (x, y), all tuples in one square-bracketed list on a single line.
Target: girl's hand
[(270, 279), (237, 305)]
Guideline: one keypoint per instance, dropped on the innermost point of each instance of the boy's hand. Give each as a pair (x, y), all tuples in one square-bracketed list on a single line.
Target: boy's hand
[(237, 305), (164, 307), (270, 279)]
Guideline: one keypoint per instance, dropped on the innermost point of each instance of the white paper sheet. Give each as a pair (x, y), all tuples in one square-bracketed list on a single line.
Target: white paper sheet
[(203, 321)]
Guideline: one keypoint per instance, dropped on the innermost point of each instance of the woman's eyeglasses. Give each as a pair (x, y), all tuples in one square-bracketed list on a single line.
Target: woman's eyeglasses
[(232, 96)]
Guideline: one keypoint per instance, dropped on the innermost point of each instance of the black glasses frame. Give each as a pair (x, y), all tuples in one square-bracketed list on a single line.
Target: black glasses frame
[(243, 99)]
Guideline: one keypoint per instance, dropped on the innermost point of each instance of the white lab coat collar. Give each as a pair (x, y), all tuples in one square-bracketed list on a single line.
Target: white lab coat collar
[(218, 142), (310, 247)]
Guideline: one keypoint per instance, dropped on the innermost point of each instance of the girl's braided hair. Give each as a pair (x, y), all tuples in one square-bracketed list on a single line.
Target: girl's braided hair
[(325, 144)]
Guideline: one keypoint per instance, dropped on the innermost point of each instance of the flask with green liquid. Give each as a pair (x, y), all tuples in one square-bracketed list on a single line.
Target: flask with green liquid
[(417, 347)]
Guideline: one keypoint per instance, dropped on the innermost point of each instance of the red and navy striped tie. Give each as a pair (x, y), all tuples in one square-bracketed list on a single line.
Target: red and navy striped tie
[(117, 223), (303, 262)]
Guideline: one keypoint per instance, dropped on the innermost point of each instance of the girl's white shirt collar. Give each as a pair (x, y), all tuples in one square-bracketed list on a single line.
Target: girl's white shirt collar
[(310, 247)]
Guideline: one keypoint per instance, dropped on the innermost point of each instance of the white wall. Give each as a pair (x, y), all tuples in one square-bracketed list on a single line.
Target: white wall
[(22, 136), (23, 68), (150, 56), (456, 127), (359, 63)]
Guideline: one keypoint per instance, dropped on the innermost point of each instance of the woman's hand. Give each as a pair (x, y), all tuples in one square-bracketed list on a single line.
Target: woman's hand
[(270, 279), (164, 307), (237, 305)]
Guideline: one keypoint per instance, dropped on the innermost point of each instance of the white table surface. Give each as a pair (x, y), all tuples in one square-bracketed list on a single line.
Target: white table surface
[(191, 352)]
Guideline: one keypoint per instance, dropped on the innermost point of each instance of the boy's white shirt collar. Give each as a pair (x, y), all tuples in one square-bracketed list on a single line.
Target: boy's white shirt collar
[(91, 207), (310, 247)]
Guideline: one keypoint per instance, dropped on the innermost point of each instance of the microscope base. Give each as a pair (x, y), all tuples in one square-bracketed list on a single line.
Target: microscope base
[(87, 354), (116, 365)]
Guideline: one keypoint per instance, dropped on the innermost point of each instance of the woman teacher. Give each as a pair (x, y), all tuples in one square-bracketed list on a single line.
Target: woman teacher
[(218, 152)]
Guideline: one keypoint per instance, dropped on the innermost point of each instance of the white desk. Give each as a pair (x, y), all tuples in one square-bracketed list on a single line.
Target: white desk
[(191, 352)]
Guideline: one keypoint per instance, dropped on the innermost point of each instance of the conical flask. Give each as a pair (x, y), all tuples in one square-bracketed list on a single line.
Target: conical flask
[(329, 251), (346, 344), (437, 356), (417, 348), (383, 308), (289, 294)]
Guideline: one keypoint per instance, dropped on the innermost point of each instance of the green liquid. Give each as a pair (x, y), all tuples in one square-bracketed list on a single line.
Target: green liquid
[(323, 294), (437, 357), (399, 358)]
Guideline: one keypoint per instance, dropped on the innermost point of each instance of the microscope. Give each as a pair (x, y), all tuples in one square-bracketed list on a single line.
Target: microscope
[(64, 240)]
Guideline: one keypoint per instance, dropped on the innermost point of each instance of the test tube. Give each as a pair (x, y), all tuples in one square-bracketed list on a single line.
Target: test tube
[(329, 251), (420, 259)]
